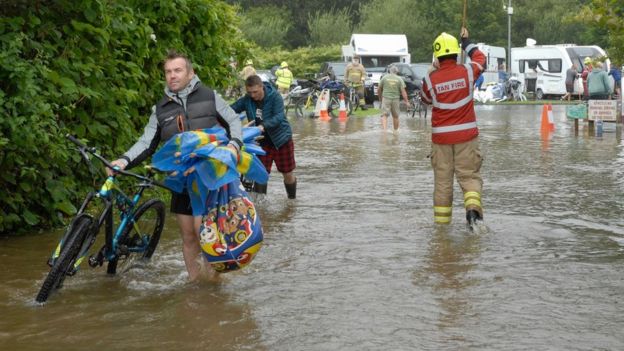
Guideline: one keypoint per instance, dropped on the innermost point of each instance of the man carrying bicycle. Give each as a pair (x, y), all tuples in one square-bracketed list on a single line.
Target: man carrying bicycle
[(186, 105), (355, 75)]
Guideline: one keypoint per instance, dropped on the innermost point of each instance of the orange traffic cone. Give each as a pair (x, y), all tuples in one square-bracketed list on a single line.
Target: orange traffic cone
[(551, 118), (545, 125), (323, 109), (342, 111)]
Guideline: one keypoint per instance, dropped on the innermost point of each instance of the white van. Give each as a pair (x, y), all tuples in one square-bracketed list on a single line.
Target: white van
[(542, 68)]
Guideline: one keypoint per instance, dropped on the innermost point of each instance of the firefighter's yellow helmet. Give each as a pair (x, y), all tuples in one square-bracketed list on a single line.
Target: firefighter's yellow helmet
[(587, 60), (284, 64), (445, 44)]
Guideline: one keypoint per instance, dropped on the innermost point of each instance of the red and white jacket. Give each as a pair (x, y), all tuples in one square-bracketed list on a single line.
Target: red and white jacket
[(449, 89)]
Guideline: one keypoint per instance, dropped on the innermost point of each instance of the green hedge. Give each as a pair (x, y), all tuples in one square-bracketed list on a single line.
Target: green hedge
[(90, 68)]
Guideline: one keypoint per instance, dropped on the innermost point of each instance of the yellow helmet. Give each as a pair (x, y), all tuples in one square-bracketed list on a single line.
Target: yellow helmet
[(284, 64), (445, 44), (587, 60), (248, 63)]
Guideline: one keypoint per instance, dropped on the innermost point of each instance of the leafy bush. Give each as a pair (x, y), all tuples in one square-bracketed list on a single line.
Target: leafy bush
[(303, 62), (90, 68)]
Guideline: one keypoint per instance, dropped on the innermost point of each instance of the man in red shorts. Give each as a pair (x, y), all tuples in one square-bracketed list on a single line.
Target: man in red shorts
[(264, 105)]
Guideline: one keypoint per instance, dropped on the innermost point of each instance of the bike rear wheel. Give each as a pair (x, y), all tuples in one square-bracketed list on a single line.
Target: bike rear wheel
[(422, 109), (140, 237), (69, 252), (413, 106)]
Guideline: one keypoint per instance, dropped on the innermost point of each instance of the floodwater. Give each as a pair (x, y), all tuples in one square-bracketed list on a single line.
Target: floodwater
[(355, 262)]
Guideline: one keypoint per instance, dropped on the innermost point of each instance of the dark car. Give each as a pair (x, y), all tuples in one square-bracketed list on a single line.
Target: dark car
[(266, 75), (337, 68), (412, 75), (420, 69)]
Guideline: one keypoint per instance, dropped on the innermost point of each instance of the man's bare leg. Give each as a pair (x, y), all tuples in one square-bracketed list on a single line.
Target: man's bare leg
[(189, 230)]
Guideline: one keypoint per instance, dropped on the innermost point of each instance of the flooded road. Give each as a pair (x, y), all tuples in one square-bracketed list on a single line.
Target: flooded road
[(355, 262)]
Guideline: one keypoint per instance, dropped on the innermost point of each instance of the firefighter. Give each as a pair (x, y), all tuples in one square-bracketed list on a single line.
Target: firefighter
[(248, 70), (355, 75), (454, 133), (284, 78)]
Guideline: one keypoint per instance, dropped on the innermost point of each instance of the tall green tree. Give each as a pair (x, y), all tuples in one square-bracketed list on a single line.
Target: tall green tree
[(331, 27), (607, 18), (266, 26), (298, 34)]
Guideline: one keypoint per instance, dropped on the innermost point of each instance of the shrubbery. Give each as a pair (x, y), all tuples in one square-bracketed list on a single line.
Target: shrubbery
[(93, 69)]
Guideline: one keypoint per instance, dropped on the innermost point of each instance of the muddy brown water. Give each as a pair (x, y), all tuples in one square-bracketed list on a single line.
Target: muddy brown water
[(355, 263)]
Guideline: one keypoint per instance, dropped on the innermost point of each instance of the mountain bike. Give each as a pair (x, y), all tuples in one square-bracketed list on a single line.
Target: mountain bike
[(416, 105), (136, 236)]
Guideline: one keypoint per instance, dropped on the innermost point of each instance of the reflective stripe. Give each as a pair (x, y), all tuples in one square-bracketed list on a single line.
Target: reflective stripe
[(442, 209), (454, 128), (472, 198), (442, 214), (441, 220), (474, 202), (470, 194), (457, 104)]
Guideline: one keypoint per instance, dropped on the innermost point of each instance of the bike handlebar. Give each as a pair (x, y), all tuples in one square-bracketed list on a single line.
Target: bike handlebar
[(92, 150)]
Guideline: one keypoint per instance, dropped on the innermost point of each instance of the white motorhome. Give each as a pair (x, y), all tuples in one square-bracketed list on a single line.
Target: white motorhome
[(542, 68), (376, 51), (496, 57)]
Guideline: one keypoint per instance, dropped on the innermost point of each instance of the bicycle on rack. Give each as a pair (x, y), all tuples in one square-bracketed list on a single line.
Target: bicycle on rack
[(136, 236), (416, 105)]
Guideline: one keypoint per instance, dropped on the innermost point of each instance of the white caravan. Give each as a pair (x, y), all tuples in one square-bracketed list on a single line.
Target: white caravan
[(496, 56), (376, 51), (542, 68)]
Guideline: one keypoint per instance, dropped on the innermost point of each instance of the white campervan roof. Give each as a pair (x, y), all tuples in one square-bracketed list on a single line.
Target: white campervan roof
[(379, 44)]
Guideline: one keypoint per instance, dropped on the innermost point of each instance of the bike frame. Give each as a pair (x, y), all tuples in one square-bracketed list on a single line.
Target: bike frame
[(110, 194)]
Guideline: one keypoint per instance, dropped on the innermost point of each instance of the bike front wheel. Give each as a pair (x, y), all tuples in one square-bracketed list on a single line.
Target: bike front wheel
[(140, 236), (69, 252), (333, 107), (354, 103)]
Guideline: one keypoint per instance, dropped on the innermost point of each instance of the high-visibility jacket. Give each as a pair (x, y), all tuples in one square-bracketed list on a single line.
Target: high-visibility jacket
[(449, 89), (284, 78)]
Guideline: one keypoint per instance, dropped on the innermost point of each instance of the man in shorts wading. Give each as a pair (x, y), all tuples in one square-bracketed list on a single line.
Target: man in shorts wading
[(391, 88), (264, 106)]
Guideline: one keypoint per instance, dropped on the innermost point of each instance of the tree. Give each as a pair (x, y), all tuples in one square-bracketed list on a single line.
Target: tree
[(266, 26), (332, 27), (607, 17)]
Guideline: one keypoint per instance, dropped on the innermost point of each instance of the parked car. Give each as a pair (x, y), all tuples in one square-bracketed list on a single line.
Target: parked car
[(266, 75), (338, 68), (420, 69), (411, 76)]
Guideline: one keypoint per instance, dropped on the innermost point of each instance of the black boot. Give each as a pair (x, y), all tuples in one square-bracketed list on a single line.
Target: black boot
[(291, 190), (473, 216), (260, 188)]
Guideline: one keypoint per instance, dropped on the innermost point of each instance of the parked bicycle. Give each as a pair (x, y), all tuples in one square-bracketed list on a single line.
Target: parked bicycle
[(417, 105), (136, 236), (352, 98)]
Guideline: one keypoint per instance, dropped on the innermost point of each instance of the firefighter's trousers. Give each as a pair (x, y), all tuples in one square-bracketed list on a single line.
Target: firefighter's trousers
[(463, 160)]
